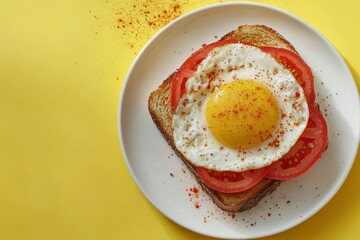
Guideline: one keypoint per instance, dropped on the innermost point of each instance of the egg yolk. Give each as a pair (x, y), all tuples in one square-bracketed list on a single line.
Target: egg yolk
[(242, 114)]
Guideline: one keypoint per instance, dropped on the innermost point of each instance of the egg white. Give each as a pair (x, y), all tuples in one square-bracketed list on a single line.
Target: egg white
[(236, 62)]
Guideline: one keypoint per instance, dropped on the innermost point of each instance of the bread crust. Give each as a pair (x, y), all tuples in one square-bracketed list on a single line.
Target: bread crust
[(259, 35), (160, 111)]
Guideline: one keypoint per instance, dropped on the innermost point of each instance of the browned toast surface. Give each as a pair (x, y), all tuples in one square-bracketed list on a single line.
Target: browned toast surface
[(259, 35), (160, 111)]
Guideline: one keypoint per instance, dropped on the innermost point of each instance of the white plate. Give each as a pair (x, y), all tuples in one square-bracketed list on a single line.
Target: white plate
[(165, 181)]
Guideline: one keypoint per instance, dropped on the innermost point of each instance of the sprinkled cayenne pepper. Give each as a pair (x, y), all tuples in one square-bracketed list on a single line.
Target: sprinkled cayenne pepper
[(138, 21), (193, 193), (275, 143), (194, 190)]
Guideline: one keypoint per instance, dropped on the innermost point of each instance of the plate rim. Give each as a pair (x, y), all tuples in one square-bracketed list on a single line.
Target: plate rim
[(324, 201)]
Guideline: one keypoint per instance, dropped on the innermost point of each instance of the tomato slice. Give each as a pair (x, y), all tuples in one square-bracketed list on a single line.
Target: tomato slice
[(188, 68), (298, 67), (231, 182), (306, 151)]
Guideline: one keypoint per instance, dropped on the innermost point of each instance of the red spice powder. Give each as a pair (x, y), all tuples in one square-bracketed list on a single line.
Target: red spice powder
[(275, 143), (140, 20), (194, 190), (193, 193)]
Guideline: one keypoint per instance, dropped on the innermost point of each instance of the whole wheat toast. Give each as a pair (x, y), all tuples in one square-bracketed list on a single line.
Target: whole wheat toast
[(160, 111)]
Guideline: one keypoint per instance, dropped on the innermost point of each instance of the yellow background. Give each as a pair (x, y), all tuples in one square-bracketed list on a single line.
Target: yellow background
[(62, 173)]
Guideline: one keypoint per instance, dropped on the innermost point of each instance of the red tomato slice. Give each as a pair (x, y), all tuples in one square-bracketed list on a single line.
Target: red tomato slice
[(306, 151), (298, 67), (231, 182), (188, 68)]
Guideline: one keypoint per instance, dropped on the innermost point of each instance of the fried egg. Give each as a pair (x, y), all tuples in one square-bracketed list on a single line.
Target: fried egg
[(241, 110)]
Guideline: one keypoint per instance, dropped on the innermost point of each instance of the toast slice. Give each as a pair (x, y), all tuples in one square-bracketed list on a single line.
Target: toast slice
[(160, 111)]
